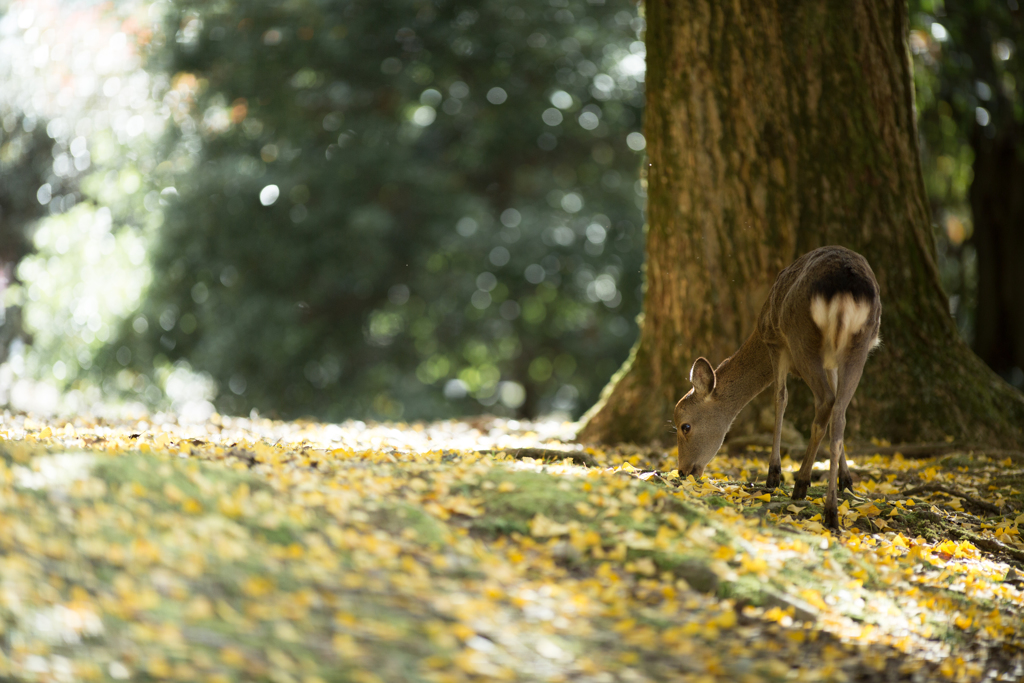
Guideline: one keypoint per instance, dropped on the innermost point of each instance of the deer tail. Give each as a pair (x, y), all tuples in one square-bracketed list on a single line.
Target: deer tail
[(839, 319)]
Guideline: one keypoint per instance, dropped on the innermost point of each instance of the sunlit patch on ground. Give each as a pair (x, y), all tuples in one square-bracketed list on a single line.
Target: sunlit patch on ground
[(258, 550)]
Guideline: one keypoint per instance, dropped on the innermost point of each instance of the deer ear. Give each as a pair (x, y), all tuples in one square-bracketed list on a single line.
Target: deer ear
[(702, 375)]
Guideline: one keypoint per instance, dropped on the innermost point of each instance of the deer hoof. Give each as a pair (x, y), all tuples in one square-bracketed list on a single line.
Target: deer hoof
[(800, 489), (774, 477), (845, 482), (831, 517)]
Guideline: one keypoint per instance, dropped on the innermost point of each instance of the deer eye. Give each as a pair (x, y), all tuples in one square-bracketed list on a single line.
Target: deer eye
[(685, 428)]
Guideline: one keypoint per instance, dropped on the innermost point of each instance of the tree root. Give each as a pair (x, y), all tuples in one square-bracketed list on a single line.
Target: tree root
[(928, 450), (579, 457), (939, 488), (910, 450), (907, 450), (994, 546)]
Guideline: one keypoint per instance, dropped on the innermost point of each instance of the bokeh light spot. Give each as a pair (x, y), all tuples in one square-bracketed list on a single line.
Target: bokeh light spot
[(269, 195), (497, 95), (424, 115), (551, 116), (561, 99)]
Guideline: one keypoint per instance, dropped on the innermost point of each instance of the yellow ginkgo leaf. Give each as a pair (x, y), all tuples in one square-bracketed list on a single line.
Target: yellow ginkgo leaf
[(541, 526), (868, 510), (724, 553)]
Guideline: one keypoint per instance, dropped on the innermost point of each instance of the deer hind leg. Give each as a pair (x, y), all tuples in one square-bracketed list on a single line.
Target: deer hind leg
[(847, 385), (845, 479), (824, 399), (781, 399)]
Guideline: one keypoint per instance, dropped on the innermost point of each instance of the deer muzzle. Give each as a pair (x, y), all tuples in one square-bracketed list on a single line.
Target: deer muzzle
[(696, 469)]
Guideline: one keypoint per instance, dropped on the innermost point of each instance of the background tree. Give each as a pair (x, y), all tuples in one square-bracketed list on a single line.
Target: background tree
[(773, 130), (76, 115), (409, 208), (968, 71), (22, 168), (27, 184)]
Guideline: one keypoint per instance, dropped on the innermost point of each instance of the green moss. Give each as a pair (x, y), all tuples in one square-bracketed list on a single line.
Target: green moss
[(280, 536), (395, 518), (534, 493), (155, 472), (694, 569), (745, 589), (956, 460), (717, 502), (923, 523)]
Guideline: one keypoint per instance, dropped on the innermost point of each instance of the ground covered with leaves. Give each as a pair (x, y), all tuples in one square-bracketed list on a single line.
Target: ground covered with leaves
[(247, 549)]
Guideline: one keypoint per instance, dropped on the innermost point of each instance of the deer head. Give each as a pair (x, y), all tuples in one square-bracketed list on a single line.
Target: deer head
[(700, 421)]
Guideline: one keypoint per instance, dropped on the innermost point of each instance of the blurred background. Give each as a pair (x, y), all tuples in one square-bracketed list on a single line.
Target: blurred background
[(405, 210)]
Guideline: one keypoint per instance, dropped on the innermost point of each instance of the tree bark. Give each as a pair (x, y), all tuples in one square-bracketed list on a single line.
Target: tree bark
[(774, 128)]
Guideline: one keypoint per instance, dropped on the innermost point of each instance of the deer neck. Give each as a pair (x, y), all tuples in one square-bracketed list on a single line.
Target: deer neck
[(744, 375)]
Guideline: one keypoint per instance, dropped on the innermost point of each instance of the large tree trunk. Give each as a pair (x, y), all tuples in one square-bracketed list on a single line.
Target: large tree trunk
[(997, 206), (774, 128)]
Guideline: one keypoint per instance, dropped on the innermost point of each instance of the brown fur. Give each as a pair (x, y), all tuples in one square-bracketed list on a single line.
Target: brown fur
[(821, 320)]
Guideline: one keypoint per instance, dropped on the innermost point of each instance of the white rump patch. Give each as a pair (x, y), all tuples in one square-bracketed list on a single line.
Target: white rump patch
[(838, 319)]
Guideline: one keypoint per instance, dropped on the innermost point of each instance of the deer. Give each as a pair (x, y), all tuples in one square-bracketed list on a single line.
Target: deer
[(820, 322)]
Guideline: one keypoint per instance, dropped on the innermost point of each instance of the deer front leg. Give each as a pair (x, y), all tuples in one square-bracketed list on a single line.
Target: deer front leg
[(775, 461)]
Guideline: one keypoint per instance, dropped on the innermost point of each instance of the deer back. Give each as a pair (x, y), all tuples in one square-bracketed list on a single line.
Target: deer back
[(824, 304)]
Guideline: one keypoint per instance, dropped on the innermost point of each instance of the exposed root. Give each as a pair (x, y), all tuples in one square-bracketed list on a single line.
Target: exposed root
[(578, 456), (939, 488)]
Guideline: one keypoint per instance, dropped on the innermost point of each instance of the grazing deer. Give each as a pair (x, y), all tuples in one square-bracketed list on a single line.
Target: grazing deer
[(820, 322)]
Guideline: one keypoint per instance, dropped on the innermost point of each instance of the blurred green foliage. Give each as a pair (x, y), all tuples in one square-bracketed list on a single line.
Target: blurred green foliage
[(968, 77), (397, 210), (404, 211), (77, 123)]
